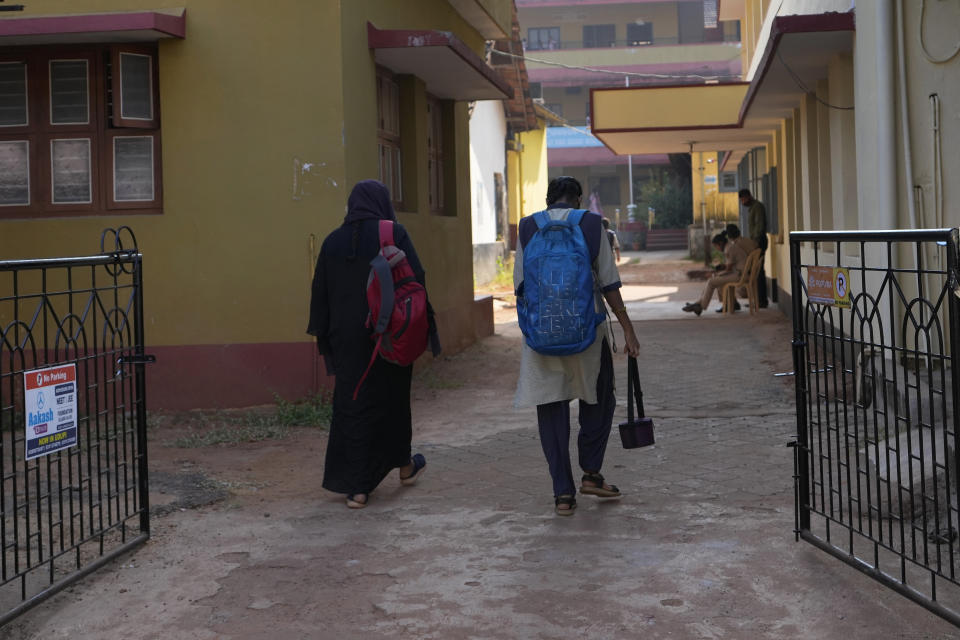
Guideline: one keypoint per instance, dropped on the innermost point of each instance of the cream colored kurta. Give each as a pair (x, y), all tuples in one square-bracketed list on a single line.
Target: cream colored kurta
[(545, 379)]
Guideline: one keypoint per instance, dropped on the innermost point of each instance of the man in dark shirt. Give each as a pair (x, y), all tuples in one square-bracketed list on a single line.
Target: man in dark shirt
[(757, 230)]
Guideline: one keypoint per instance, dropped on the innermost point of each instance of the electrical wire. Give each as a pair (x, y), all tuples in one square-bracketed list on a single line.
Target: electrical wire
[(923, 44), (622, 74), (806, 89)]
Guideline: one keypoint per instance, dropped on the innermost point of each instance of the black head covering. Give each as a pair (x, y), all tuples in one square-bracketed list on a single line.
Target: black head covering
[(369, 200)]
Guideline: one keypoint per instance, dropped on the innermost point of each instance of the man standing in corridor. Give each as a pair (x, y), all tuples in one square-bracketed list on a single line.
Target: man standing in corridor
[(757, 230)]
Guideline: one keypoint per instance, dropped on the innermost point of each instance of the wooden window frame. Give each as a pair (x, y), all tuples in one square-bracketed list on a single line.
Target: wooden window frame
[(46, 174), (116, 61), (18, 210), (108, 181), (32, 119), (388, 138), (436, 169), (101, 129), (93, 114)]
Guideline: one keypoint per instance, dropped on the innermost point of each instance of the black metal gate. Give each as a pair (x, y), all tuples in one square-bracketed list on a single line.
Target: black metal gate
[(877, 425), (71, 373)]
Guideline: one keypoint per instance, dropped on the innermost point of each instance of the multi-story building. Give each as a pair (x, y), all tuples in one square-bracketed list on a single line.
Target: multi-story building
[(837, 123), (572, 46)]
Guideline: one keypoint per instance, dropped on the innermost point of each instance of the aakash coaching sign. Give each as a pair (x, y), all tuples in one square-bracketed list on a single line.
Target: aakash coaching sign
[(50, 399)]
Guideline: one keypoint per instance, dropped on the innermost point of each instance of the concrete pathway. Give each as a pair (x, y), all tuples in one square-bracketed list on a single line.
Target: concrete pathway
[(701, 546)]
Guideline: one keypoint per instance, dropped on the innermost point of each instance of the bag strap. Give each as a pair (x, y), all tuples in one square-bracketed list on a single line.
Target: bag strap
[(386, 233), (575, 216), (373, 358), (383, 274), (542, 218), (634, 394)]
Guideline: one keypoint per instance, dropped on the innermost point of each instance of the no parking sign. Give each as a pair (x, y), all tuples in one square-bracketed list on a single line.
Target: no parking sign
[(829, 285), (50, 400)]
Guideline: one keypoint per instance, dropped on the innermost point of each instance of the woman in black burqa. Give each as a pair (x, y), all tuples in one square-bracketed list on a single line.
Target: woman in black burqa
[(371, 435)]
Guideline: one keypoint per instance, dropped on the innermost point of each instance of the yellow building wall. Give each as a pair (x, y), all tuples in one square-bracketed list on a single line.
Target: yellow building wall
[(514, 191), (533, 171), (229, 259), (442, 241), (707, 198)]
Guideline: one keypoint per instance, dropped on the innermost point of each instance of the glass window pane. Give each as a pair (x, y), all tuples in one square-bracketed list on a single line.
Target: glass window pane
[(69, 97), (136, 99), (13, 94), (70, 168), (133, 168), (14, 173)]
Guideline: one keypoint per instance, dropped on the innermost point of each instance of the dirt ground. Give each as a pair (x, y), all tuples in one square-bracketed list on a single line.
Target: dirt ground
[(245, 544)]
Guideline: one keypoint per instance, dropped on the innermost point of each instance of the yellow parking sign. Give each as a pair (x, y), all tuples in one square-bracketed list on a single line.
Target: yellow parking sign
[(829, 285)]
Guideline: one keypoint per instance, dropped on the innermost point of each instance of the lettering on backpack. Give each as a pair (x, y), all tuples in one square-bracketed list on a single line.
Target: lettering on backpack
[(556, 307)]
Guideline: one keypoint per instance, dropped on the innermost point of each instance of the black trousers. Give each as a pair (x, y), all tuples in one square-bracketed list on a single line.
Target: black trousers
[(762, 286), (595, 422)]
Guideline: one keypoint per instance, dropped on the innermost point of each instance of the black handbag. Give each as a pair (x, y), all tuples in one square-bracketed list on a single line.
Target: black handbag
[(635, 432)]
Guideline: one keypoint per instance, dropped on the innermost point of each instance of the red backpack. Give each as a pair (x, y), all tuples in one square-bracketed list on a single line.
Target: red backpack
[(398, 306)]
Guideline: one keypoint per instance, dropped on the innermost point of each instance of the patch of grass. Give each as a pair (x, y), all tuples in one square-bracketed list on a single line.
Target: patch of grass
[(231, 434), (504, 277), (312, 411), (255, 425)]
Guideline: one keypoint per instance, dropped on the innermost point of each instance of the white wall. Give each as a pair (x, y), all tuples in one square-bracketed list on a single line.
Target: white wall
[(793, 8), (923, 77), (488, 132)]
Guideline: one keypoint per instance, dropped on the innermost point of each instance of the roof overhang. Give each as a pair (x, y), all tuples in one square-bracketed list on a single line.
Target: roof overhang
[(724, 117), (121, 26), (449, 68)]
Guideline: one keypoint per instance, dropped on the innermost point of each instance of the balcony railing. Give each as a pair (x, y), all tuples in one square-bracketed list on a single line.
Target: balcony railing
[(615, 44)]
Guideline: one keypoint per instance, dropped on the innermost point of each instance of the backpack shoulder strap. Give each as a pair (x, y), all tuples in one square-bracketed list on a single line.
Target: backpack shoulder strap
[(575, 216), (386, 233), (542, 218)]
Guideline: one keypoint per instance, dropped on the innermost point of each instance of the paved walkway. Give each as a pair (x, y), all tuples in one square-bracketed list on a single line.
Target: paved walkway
[(700, 547)]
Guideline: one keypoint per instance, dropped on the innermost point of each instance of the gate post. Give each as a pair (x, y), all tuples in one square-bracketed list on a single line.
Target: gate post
[(800, 381), (141, 385), (953, 286)]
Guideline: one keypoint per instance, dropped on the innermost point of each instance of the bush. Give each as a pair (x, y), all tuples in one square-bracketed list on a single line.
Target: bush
[(672, 200)]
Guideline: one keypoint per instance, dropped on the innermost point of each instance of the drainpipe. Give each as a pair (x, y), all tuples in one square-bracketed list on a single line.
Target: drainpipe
[(629, 160), (886, 119), (905, 115)]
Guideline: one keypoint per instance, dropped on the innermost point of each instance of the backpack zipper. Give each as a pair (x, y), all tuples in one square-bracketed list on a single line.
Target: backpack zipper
[(406, 320)]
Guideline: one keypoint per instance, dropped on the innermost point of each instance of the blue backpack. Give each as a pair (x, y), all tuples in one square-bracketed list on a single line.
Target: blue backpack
[(556, 307)]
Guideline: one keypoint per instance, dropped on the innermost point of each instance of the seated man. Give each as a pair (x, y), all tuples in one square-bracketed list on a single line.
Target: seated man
[(748, 245), (729, 271)]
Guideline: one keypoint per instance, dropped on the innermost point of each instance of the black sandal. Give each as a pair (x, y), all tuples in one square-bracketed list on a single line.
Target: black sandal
[(569, 501), (601, 490)]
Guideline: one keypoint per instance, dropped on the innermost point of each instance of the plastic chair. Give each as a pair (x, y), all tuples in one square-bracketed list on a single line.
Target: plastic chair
[(748, 280)]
